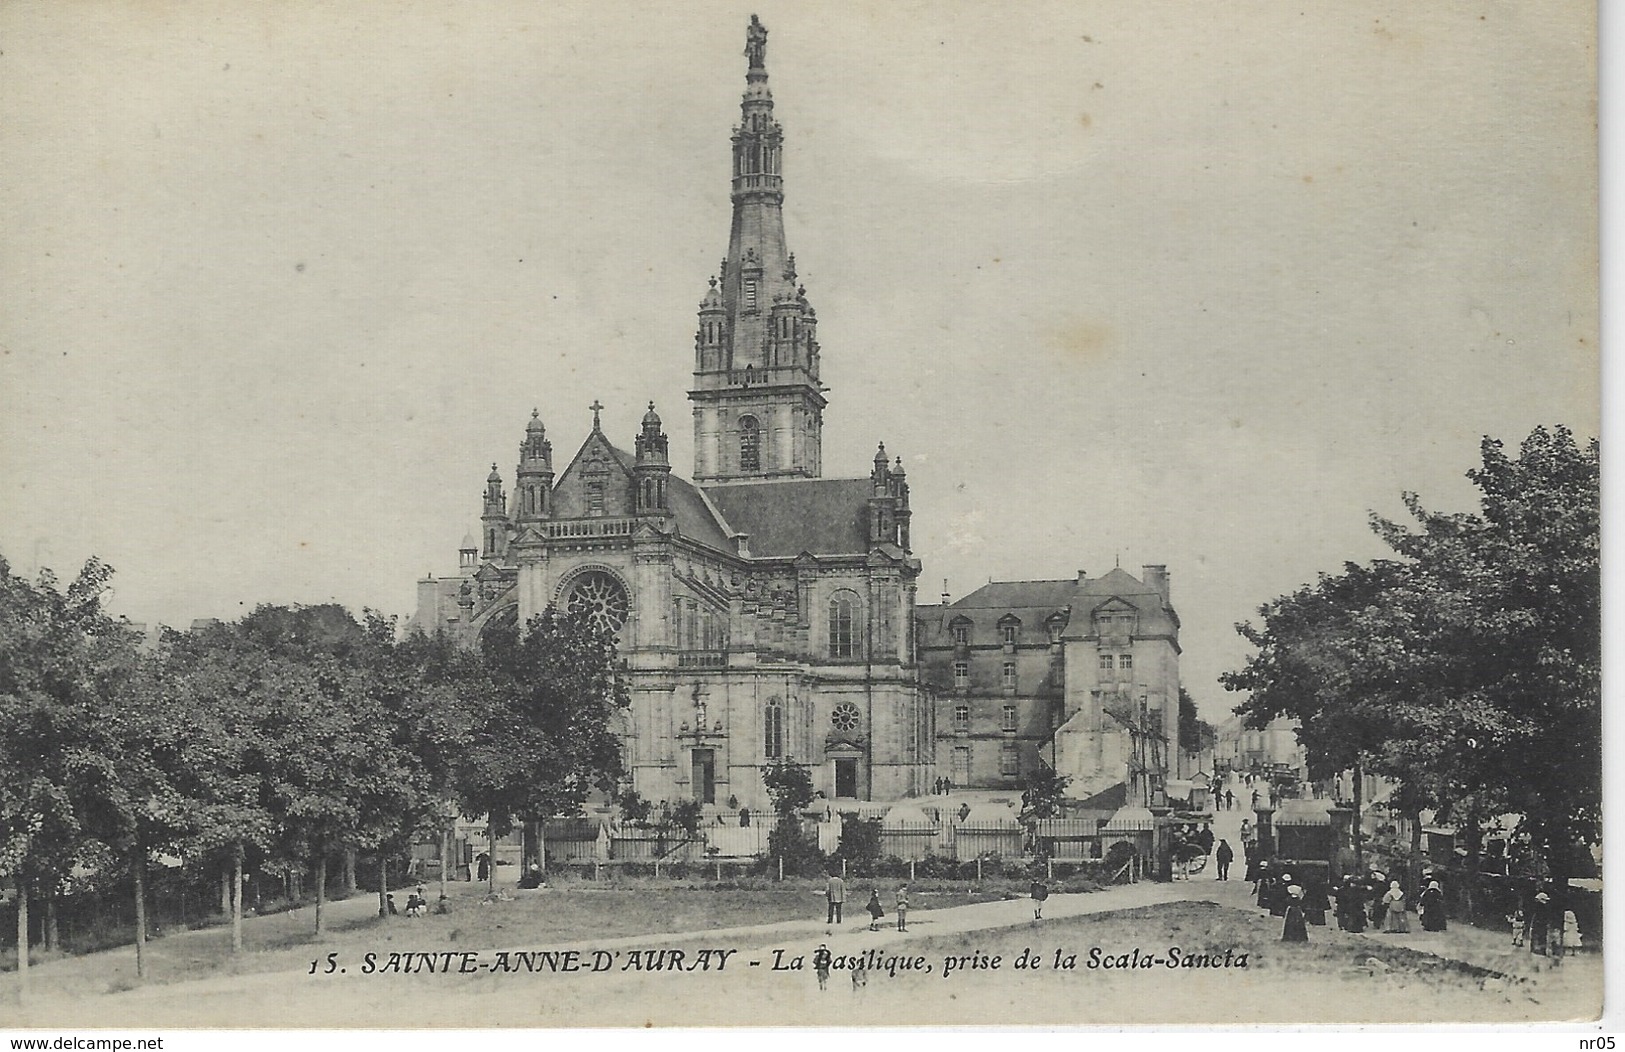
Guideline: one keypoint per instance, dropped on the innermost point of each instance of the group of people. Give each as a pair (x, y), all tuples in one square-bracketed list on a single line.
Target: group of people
[(942, 786), (417, 904), (1358, 903), (835, 900)]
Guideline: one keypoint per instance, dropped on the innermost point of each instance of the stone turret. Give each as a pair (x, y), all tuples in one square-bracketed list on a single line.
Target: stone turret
[(651, 473)]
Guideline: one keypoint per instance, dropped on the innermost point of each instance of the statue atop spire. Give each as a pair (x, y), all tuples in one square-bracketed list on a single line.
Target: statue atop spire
[(756, 43)]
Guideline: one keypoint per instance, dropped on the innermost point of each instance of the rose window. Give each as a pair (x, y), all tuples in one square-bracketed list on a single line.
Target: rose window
[(601, 598), (845, 717)]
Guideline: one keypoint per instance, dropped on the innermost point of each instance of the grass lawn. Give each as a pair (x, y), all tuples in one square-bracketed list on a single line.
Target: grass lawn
[(573, 912)]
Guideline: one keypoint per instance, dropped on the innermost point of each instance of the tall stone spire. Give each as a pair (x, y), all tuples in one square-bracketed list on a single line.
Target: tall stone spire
[(758, 404)]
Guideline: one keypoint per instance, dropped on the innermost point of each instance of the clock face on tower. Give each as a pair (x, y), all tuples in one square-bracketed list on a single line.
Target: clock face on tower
[(601, 598)]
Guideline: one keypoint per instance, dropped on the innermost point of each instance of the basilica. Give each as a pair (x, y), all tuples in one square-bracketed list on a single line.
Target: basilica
[(768, 613)]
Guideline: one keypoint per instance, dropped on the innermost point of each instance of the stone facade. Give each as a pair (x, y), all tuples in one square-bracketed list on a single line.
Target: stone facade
[(1080, 674), (764, 612)]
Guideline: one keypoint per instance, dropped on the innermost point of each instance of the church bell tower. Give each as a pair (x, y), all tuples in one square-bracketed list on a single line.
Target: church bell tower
[(758, 404)]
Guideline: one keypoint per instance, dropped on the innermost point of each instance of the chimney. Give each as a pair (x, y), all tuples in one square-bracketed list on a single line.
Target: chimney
[(1083, 575), (945, 591), (1156, 575)]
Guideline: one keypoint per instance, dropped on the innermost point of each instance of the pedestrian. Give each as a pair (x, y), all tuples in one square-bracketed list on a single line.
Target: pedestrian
[(821, 963), (443, 907), (1315, 904), (1431, 907), (1229, 800), (1293, 928), (860, 975), (834, 897), (483, 862), (1259, 874), (1224, 855), (1281, 894), (389, 903), (1255, 799), (1395, 920), (1376, 885), (1350, 899), (1540, 924), (1040, 892), (1246, 831), (876, 910), (1205, 838), (902, 907)]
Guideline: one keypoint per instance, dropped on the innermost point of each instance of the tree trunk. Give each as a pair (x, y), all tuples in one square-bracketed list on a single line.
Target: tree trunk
[(236, 890), (50, 923), (445, 859), (1414, 870), (349, 871), (321, 887), (383, 885), (140, 867), (225, 890), (541, 844), (22, 936), (491, 854), (1359, 831)]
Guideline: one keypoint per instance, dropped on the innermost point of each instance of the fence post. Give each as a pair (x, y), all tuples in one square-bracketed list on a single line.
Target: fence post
[(781, 869), (843, 869), (911, 871), (595, 871), (978, 869), (657, 868), (1049, 864), (719, 872)]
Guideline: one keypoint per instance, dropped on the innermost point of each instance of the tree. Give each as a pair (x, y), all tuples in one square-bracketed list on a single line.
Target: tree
[(550, 701), (1508, 606), (1469, 669), (1043, 793), (1196, 735), (790, 787), (61, 656)]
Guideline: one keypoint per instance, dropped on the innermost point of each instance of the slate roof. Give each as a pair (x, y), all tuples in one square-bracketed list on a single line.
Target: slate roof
[(786, 518), (1034, 602), (1026, 595)]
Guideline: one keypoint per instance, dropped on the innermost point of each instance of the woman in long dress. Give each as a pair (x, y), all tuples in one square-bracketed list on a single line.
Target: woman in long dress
[(1281, 895), (1431, 907), (1351, 906), (1315, 904), (1375, 887), (1396, 920), (1293, 929)]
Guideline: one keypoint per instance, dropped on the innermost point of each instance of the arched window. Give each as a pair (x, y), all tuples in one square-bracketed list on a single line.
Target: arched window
[(750, 444), (843, 625), (773, 728)]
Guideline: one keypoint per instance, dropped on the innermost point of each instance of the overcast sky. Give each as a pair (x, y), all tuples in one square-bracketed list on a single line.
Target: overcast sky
[(1187, 283)]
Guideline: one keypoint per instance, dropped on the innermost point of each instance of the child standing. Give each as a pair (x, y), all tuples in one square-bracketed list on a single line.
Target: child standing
[(875, 910), (902, 908)]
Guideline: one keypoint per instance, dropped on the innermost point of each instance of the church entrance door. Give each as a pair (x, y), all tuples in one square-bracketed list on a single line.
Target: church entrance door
[(705, 776), (846, 778), (961, 771)]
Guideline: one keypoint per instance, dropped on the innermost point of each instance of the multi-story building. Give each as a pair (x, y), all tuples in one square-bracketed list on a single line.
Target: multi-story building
[(1079, 674), (765, 612)]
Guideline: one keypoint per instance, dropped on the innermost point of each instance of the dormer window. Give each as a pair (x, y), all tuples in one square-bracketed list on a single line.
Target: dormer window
[(960, 631), (1009, 632)]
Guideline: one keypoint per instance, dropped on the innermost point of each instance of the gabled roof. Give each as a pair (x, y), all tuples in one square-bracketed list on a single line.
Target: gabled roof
[(787, 517)]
